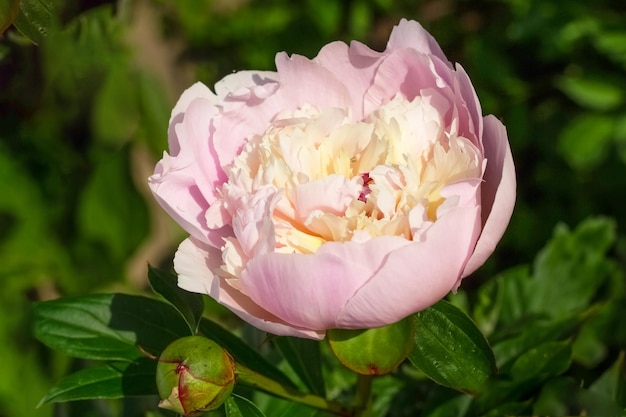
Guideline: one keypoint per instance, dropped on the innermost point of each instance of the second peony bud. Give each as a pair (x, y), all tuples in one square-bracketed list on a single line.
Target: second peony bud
[(194, 375), (373, 351)]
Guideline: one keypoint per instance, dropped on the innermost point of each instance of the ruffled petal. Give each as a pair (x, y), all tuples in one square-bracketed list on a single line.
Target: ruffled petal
[(321, 88), (354, 66), (195, 263), (498, 192), (198, 90), (239, 82), (180, 197), (403, 71), (469, 103), (197, 132), (314, 288), (331, 194), (415, 276), (410, 34)]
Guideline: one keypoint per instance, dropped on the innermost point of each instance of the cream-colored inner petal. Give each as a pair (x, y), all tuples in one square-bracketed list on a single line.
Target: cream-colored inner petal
[(395, 164)]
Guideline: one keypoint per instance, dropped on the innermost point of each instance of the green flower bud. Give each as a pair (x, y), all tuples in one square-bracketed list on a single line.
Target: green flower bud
[(194, 375), (373, 351)]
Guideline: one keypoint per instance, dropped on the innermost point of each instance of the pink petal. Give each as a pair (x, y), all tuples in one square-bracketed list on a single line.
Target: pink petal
[(415, 276), (305, 81), (250, 80), (198, 128), (354, 66), (238, 124), (252, 221), (498, 192), (402, 71), (331, 194), (185, 183), (198, 90), (179, 196), (471, 104), (314, 288), (195, 262), (410, 34)]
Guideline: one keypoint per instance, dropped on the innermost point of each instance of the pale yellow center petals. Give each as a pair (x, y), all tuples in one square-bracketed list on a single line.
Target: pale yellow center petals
[(340, 180)]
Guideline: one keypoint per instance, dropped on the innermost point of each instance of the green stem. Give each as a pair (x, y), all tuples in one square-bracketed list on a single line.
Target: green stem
[(363, 395), (255, 380)]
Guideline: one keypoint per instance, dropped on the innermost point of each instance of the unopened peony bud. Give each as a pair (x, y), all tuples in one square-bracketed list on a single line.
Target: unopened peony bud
[(194, 375), (374, 351)]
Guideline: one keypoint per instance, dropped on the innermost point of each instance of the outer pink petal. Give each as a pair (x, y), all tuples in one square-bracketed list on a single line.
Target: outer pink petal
[(354, 66), (305, 81), (410, 34), (185, 183), (404, 71), (471, 103), (314, 288), (235, 82), (198, 133), (238, 123), (195, 262), (416, 276), (179, 196), (498, 192), (198, 90)]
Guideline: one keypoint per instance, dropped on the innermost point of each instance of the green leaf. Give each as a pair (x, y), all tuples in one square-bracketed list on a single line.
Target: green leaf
[(8, 13), (571, 268), (503, 300), (620, 137), (532, 334), (456, 406), (34, 19), (189, 305), (111, 211), (566, 396), (115, 113), (237, 406), (280, 407), (588, 349), (543, 361), (107, 326), (155, 111), (499, 392), (451, 350), (584, 141), (509, 409), (613, 44), (612, 383), (594, 94), (107, 381), (242, 353), (304, 357)]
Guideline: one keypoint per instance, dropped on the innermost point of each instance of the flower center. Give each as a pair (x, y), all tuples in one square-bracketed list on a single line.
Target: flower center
[(334, 179), (366, 190)]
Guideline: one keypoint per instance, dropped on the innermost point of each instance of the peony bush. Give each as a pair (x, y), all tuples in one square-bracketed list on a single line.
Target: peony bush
[(345, 191)]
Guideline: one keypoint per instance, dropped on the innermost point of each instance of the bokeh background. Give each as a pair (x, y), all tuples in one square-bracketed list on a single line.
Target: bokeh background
[(84, 113)]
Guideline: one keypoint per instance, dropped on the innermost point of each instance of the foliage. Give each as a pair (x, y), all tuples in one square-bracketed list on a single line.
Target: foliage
[(536, 354), (84, 110)]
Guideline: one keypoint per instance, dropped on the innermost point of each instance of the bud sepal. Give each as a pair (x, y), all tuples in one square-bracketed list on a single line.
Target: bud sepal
[(194, 375)]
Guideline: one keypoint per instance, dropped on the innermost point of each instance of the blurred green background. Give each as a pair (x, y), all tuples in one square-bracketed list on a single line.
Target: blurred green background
[(84, 113)]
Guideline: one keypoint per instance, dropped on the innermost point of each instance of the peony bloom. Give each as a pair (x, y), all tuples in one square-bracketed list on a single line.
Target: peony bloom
[(346, 191)]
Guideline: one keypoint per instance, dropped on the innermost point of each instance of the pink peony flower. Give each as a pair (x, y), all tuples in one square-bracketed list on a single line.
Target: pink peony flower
[(346, 191)]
